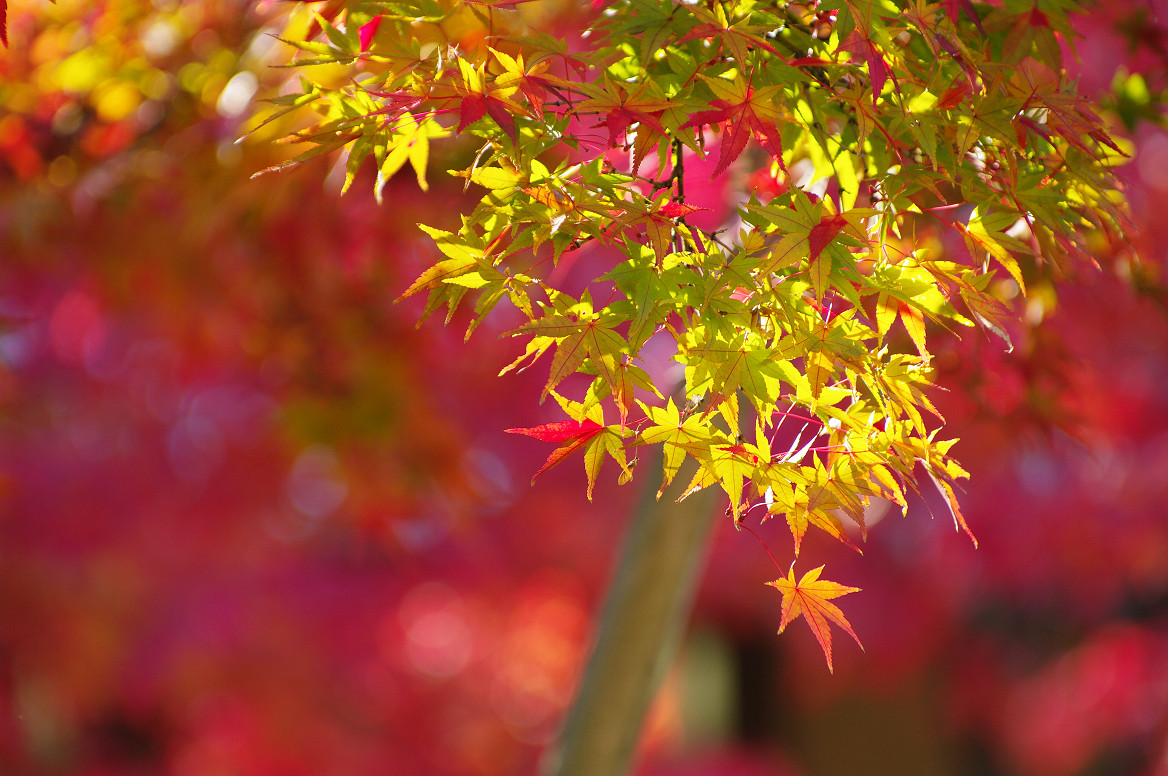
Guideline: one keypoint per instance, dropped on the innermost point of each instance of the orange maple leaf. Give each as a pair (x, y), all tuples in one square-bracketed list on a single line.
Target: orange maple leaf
[(810, 597)]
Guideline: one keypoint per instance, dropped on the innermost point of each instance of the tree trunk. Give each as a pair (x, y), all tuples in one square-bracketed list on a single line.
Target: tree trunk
[(640, 629)]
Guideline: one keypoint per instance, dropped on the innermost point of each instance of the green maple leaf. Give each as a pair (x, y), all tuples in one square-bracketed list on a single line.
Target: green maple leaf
[(619, 378), (679, 437), (579, 333), (651, 292), (736, 38), (730, 466)]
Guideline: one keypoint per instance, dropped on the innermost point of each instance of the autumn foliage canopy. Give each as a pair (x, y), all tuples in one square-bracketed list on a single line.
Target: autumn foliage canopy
[(874, 123)]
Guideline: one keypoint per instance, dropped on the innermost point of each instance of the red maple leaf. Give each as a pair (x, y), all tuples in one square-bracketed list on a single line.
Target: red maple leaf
[(861, 45), (476, 105), (677, 209), (477, 98), (823, 233), (508, 4), (367, 31), (952, 8), (954, 95), (329, 13), (396, 103), (743, 111), (573, 434)]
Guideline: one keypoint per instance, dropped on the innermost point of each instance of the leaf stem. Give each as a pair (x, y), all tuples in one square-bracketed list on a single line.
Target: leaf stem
[(753, 533)]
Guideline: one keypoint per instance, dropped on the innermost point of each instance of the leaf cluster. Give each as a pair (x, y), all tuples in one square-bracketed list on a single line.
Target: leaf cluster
[(881, 121)]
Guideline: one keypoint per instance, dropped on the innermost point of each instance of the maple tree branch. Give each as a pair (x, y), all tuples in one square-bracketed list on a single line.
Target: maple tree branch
[(788, 45), (818, 73), (752, 532), (713, 237), (678, 173)]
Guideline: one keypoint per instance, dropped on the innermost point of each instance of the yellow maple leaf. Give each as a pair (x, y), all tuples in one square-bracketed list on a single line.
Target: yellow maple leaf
[(810, 597)]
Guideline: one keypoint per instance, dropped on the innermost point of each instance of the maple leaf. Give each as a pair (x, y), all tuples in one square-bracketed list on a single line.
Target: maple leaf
[(810, 597), (322, 19), (657, 219), (861, 45), (1069, 117), (622, 109), (396, 103), (479, 99), (951, 502), (726, 367), (533, 81), (680, 437), (619, 378), (731, 467), (460, 260), (572, 434), (914, 324), (823, 233), (735, 38), (800, 518), (955, 95), (986, 233), (953, 50), (508, 4), (367, 31), (585, 430), (578, 336), (952, 8), (743, 110)]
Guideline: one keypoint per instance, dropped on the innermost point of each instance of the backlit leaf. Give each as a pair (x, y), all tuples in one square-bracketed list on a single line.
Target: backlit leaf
[(810, 598)]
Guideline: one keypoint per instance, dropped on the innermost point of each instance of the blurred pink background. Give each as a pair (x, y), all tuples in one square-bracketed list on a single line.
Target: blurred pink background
[(254, 522)]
